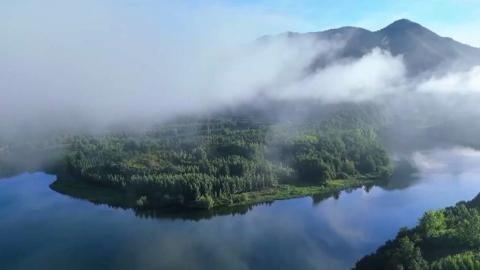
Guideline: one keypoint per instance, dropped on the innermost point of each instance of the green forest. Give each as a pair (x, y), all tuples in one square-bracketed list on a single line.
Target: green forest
[(445, 239), (207, 162)]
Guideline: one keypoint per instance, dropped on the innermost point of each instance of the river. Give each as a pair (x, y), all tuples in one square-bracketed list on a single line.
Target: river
[(42, 229)]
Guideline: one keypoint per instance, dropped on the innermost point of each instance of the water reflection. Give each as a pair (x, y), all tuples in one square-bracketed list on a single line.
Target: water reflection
[(42, 229)]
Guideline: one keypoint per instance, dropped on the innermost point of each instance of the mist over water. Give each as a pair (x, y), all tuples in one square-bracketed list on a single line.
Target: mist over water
[(329, 234)]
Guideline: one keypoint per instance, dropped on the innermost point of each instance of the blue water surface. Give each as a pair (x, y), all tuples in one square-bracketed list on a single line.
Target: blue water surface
[(42, 229)]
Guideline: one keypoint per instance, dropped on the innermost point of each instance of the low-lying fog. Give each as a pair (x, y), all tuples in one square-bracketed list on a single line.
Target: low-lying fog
[(90, 64)]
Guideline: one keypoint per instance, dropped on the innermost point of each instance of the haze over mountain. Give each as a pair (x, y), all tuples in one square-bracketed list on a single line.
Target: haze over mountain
[(423, 51), (157, 74)]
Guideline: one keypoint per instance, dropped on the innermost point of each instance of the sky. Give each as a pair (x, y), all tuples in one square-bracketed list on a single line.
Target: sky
[(459, 19)]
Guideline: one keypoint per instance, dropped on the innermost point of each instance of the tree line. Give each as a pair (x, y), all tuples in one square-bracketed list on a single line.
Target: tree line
[(446, 239), (212, 166)]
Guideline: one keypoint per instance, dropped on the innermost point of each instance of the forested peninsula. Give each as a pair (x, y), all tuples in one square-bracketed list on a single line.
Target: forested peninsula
[(224, 160)]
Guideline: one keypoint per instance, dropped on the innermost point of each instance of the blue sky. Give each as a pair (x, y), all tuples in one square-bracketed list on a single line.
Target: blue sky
[(459, 19)]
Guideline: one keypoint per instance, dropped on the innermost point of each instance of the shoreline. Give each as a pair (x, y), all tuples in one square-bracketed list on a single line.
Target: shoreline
[(117, 198)]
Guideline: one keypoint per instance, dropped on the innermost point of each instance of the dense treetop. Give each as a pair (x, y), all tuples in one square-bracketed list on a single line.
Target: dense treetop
[(200, 162), (444, 239)]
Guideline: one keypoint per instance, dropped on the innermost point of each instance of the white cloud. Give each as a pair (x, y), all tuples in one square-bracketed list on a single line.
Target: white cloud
[(373, 75), (109, 61), (456, 82)]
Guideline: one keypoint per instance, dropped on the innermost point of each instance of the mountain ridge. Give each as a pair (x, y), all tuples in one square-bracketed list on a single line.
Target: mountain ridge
[(424, 51)]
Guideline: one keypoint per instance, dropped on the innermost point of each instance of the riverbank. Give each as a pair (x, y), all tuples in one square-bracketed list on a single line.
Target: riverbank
[(123, 199), (283, 192), (447, 238)]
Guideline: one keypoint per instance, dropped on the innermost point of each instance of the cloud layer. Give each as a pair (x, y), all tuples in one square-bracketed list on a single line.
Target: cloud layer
[(110, 61)]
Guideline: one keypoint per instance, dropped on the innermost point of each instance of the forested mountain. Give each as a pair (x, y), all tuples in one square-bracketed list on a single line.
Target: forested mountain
[(423, 50), (446, 239)]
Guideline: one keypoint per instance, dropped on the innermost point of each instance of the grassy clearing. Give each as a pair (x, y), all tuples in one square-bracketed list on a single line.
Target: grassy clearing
[(283, 192)]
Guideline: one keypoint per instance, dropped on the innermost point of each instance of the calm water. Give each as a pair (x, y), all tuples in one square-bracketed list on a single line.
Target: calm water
[(41, 229)]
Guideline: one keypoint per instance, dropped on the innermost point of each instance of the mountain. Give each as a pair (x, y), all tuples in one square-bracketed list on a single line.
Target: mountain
[(423, 50)]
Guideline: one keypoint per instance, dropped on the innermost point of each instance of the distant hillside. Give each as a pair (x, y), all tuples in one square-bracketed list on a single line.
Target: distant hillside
[(423, 50)]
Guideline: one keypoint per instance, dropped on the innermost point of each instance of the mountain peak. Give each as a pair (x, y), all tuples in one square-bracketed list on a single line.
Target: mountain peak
[(404, 22), (402, 25), (422, 50)]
